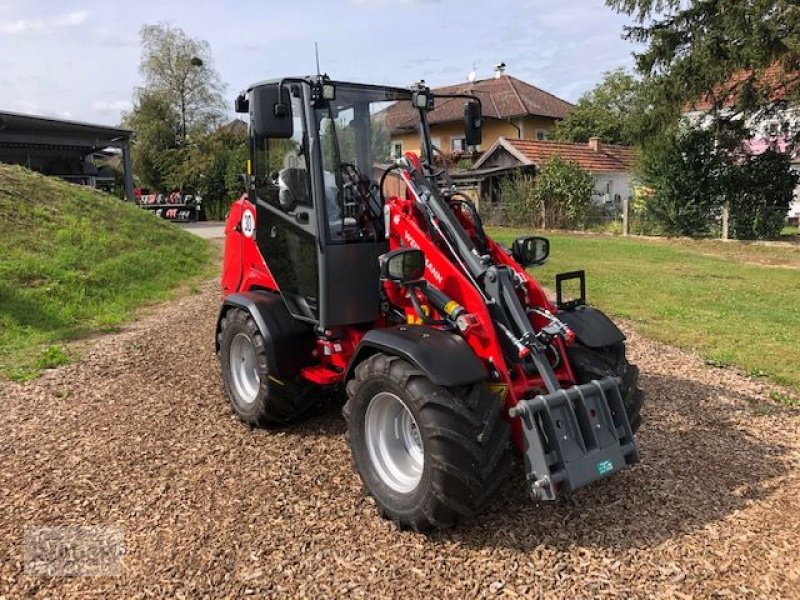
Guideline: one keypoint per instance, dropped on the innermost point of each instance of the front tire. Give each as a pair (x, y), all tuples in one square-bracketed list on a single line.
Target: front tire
[(590, 363), (257, 398), (430, 456)]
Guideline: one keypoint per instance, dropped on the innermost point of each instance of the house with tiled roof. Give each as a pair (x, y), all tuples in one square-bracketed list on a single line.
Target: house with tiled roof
[(610, 165), (776, 124), (512, 108)]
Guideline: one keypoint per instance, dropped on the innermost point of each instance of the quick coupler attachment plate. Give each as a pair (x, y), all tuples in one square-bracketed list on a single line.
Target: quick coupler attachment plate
[(575, 436)]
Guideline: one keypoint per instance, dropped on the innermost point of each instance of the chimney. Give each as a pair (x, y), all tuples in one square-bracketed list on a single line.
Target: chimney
[(595, 143), (499, 70)]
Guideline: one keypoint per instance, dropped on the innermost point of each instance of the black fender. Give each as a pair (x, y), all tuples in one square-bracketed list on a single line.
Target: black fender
[(288, 341), (446, 358), (592, 327)]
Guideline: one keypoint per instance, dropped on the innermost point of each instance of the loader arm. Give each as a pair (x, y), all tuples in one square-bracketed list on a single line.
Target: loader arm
[(569, 437)]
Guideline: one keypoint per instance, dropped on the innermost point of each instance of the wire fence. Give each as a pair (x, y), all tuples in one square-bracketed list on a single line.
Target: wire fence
[(718, 223)]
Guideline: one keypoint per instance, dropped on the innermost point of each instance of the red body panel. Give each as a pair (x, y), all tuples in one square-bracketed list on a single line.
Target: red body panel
[(244, 269)]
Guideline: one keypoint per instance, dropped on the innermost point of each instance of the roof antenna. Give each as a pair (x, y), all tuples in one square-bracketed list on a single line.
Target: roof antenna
[(316, 52)]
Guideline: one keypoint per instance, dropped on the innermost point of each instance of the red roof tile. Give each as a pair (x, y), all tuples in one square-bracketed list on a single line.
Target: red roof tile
[(774, 83), (607, 158), (501, 98)]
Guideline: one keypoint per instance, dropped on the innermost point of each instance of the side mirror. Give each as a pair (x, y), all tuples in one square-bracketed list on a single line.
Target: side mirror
[(271, 112), (242, 104), (530, 250), (403, 266), (473, 123)]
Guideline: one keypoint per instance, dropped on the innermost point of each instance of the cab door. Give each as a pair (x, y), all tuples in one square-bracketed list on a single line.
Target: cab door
[(286, 226)]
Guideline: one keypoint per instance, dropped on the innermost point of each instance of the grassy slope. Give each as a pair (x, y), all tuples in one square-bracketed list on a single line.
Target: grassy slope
[(74, 261), (728, 302)]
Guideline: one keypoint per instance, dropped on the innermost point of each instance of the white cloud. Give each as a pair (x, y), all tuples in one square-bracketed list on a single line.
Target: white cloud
[(32, 108), (392, 2), (115, 106), (22, 26), (74, 18), (27, 107)]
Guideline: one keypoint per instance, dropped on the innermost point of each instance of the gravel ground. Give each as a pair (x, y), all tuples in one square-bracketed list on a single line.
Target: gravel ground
[(138, 435)]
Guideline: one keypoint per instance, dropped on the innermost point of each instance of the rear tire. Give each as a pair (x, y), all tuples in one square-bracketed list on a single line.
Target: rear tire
[(257, 398), (430, 456), (588, 364)]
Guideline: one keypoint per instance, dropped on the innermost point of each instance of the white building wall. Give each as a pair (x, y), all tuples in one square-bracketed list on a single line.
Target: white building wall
[(611, 189)]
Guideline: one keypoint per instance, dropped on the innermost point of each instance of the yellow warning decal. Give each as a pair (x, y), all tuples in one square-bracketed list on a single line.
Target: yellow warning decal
[(450, 306), (413, 319), (249, 167), (501, 389)]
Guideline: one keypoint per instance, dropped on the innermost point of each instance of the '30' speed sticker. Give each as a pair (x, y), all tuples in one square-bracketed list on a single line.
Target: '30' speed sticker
[(248, 223)]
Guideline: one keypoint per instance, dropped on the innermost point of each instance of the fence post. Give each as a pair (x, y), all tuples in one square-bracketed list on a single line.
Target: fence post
[(625, 209), (726, 213)]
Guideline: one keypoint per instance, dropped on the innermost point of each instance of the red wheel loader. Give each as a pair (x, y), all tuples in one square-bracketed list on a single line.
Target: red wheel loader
[(347, 271)]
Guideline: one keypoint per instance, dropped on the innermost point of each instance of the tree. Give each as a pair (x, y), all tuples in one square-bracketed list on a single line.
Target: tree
[(695, 171), (180, 69), (611, 111), (684, 170), (695, 48), (156, 126)]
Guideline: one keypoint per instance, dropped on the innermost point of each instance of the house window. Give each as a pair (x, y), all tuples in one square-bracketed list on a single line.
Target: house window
[(397, 149), (542, 135), (458, 145), (772, 129)]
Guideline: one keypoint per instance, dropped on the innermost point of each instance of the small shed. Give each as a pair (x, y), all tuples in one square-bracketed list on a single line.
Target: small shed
[(65, 149), (610, 165)]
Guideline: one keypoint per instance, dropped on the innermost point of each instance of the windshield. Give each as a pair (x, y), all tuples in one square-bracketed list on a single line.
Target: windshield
[(360, 137)]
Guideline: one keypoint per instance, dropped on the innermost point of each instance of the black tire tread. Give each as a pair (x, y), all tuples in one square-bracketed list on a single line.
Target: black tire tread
[(471, 462), (277, 404), (588, 363)]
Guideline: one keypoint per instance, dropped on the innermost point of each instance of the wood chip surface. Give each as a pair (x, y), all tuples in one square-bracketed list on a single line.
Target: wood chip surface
[(138, 435)]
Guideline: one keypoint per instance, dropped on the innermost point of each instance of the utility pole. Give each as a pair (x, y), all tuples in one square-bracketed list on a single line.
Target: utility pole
[(726, 216), (194, 62)]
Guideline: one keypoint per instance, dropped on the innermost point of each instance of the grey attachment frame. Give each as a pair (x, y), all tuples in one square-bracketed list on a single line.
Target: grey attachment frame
[(575, 436)]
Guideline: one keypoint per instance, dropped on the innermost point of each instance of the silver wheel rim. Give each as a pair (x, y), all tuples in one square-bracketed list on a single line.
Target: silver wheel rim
[(244, 369), (394, 442)]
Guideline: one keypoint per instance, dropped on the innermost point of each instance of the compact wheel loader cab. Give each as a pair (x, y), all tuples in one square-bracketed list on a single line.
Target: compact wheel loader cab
[(348, 271)]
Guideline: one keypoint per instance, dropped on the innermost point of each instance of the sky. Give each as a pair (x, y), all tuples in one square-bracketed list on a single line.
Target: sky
[(79, 60)]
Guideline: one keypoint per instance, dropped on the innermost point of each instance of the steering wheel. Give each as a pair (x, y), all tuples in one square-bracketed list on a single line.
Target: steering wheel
[(360, 187)]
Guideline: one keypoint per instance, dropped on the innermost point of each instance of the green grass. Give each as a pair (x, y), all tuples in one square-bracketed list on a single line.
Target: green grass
[(737, 305), (73, 262)]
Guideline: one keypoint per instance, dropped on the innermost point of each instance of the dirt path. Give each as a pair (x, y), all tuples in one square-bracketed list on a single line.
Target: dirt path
[(139, 436)]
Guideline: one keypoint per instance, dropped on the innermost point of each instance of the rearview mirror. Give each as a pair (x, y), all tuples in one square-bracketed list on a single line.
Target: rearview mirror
[(473, 123), (242, 104), (403, 266), (530, 250), (271, 113)]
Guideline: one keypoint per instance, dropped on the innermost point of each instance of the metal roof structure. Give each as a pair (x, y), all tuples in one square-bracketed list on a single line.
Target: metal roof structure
[(60, 147)]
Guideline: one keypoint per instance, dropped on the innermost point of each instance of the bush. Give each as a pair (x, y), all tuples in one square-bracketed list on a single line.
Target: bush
[(760, 191), (695, 172), (518, 198), (684, 170), (558, 197), (564, 192)]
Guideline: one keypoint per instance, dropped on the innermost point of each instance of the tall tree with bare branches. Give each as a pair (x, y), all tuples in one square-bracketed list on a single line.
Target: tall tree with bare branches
[(180, 68)]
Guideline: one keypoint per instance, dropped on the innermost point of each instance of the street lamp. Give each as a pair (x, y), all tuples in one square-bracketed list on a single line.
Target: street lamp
[(195, 62)]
